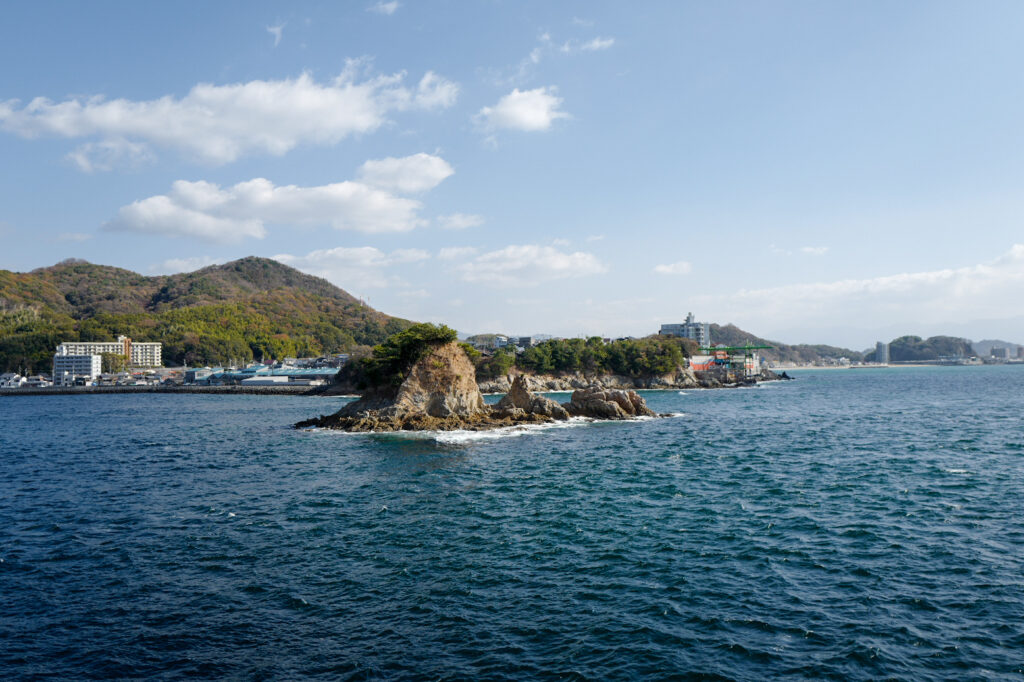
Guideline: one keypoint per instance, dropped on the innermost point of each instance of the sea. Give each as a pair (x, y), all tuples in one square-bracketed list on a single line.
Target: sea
[(856, 524)]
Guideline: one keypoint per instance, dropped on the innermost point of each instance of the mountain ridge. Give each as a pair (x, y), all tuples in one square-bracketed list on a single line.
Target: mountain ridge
[(247, 308)]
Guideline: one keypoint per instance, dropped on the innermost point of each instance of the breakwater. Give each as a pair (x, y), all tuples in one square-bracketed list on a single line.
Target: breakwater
[(214, 390)]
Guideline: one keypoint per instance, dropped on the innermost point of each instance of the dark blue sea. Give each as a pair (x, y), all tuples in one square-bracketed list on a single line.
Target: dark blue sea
[(858, 524)]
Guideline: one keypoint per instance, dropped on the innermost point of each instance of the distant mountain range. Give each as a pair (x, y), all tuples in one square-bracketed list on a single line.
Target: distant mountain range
[(245, 309)]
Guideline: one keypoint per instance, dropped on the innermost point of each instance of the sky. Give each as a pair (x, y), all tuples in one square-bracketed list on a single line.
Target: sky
[(812, 172)]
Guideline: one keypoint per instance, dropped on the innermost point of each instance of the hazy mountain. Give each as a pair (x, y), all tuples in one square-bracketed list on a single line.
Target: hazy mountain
[(731, 335)]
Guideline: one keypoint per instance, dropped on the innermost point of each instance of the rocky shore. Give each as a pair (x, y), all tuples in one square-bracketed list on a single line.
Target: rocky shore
[(440, 392), (682, 378)]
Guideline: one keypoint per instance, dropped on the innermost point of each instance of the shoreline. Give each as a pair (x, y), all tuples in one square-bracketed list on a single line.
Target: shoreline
[(213, 390)]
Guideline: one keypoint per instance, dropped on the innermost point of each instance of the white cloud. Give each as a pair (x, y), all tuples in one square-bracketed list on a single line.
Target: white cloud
[(595, 237), (456, 252), (205, 210), (173, 266), (108, 154), (560, 242), (597, 44), (276, 32), (354, 268), (988, 290), (530, 264), (680, 268), (528, 110), (416, 173), (73, 237), (459, 221), (219, 123), (386, 8), (814, 250)]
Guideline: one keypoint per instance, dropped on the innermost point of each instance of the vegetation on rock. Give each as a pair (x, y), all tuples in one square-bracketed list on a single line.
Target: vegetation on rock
[(389, 363), (650, 356)]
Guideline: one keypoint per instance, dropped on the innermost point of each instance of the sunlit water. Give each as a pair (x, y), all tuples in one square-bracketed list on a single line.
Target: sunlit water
[(849, 524)]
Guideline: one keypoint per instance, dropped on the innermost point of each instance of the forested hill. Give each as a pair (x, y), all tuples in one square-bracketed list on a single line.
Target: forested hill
[(731, 335), (252, 307)]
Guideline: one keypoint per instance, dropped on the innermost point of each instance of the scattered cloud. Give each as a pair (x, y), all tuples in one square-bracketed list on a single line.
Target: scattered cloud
[(988, 290), (814, 250), (276, 32), (107, 154), (416, 173), (209, 212), (386, 8), (354, 268), (560, 242), (459, 221), (73, 237), (528, 265), (522, 72), (172, 266), (595, 237), (586, 23), (680, 268), (593, 45), (527, 110), (217, 124), (456, 252), (414, 293)]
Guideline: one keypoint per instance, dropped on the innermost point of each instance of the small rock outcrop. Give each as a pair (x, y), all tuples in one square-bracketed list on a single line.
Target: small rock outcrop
[(520, 397), (602, 403), (439, 392)]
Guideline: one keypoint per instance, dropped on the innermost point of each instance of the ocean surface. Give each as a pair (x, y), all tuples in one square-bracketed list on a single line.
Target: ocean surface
[(859, 524)]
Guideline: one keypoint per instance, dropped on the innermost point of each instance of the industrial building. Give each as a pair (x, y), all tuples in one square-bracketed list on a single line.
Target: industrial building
[(691, 329), (139, 354)]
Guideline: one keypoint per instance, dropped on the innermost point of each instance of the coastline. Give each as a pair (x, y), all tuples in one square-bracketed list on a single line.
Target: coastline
[(212, 390)]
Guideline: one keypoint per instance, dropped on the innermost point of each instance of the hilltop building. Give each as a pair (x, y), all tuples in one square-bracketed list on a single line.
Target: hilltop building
[(882, 353), (139, 354), (69, 366), (691, 329)]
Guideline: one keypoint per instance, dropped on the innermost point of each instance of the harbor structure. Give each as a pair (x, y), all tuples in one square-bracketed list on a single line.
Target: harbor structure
[(67, 367), (138, 353), (690, 329)]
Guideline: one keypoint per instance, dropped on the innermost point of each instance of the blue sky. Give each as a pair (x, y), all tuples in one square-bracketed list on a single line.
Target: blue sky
[(813, 172)]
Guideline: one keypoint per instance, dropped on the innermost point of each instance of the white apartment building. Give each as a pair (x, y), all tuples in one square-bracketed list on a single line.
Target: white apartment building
[(138, 354), (691, 329), (67, 366)]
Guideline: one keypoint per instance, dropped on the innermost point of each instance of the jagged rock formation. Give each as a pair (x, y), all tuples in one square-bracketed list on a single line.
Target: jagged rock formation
[(601, 403), (439, 392)]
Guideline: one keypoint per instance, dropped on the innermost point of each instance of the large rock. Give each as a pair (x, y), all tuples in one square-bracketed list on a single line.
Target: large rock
[(598, 402), (440, 393), (519, 396)]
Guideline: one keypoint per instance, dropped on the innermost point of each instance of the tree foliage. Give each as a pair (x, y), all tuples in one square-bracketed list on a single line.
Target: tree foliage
[(648, 356), (389, 363)]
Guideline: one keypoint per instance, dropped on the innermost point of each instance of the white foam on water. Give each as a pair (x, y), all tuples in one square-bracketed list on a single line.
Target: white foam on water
[(956, 471)]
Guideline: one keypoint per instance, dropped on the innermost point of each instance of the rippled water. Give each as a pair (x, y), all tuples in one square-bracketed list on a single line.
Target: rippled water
[(850, 524)]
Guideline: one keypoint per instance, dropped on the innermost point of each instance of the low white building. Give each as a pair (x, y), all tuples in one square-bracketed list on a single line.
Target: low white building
[(12, 380), (67, 366)]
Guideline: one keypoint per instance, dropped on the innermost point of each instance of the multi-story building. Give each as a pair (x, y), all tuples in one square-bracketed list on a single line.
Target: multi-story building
[(138, 354), (882, 353), (691, 329), (67, 366)]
